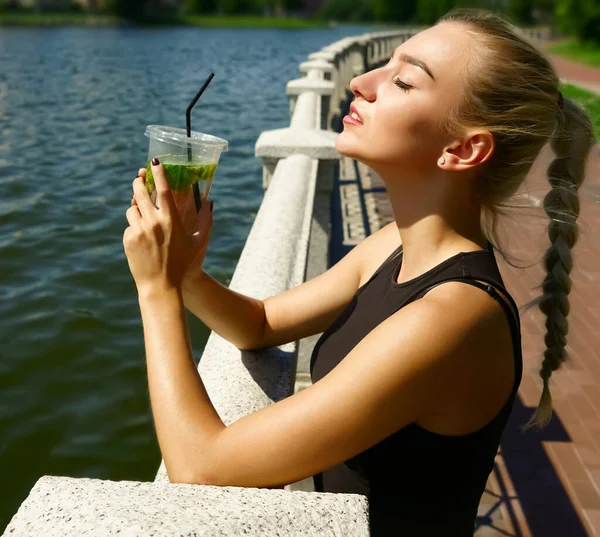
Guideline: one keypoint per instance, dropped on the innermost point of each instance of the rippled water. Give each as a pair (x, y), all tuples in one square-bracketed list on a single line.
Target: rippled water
[(74, 104)]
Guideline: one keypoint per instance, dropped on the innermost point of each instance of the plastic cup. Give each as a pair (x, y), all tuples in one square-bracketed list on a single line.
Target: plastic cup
[(187, 161)]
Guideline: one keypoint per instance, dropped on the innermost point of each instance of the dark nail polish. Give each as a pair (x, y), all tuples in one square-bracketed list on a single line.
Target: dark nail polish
[(155, 162), (211, 206)]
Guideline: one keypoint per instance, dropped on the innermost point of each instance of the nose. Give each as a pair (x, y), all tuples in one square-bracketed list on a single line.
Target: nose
[(365, 86)]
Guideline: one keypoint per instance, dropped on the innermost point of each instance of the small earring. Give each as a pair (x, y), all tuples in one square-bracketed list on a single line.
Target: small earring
[(442, 160)]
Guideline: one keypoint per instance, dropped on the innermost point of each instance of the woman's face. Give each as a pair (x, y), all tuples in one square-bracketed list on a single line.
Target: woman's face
[(400, 104)]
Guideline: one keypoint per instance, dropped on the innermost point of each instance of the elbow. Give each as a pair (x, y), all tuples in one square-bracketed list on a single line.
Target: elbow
[(252, 348), (257, 341), (191, 476), (188, 476)]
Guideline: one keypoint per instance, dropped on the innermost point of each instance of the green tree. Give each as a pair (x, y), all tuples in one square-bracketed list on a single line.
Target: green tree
[(133, 10), (579, 18), (429, 11), (392, 10), (291, 5), (343, 10), (197, 7), (521, 11), (237, 7)]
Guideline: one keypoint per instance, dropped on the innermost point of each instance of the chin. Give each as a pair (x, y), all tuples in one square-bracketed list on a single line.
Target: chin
[(347, 146)]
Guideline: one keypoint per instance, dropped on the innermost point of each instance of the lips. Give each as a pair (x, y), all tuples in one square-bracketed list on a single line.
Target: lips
[(354, 113)]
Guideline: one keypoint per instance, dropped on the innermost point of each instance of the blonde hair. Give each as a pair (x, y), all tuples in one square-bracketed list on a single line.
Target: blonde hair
[(511, 89)]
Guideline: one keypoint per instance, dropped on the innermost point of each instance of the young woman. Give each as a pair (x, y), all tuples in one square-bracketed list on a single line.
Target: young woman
[(420, 360)]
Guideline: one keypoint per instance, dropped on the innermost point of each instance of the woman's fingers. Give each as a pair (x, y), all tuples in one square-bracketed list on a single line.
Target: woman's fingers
[(186, 207), (142, 198), (179, 199), (142, 174), (189, 212), (164, 195), (204, 217), (133, 216)]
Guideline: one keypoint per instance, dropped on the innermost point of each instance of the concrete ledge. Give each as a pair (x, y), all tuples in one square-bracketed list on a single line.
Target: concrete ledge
[(306, 111), (322, 55), (281, 143), (316, 65), (340, 46), (67, 507), (319, 86), (273, 260)]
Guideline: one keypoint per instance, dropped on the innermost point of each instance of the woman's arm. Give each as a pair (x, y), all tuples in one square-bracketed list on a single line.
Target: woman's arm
[(238, 318), (397, 374), (292, 315), (184, 417)]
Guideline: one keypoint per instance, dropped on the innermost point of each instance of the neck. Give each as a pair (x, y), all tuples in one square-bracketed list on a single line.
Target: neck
[(436, 218)]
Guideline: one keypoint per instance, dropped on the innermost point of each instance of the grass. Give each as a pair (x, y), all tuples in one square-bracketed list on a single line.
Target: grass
[(586, 53), (590, 101), (57, 19), (251, 22), (85, 19)]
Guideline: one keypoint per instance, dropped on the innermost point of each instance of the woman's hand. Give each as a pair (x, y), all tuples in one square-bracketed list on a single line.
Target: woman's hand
[(161, 244)]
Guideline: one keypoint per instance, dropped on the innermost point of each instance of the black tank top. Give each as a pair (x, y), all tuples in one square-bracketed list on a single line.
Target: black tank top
[(418, 483)]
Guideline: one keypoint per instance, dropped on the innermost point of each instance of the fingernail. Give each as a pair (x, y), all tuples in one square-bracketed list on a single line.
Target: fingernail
[(211, 206), (155, 162)]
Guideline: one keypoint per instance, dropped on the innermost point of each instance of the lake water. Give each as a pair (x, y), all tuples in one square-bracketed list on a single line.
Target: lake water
[(74, 104)]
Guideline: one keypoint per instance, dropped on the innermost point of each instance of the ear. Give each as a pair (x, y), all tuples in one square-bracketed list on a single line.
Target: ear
[(472, 150)]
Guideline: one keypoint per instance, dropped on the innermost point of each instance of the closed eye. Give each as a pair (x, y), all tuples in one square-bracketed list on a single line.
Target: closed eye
[(402, 85)]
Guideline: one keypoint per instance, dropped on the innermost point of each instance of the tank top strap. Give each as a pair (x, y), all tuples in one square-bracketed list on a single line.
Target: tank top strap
[(386, 263), (506, 301)]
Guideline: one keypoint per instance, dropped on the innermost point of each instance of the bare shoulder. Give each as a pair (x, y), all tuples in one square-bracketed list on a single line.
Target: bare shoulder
[(474, 312), (467, 301), (483, 372), (376, 249)]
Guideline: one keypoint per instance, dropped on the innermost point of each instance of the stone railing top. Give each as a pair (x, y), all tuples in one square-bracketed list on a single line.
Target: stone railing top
[(322, 55), (67, 507), (340, 45), (300, 85), (281, 143), (241, 382), (316, 65)]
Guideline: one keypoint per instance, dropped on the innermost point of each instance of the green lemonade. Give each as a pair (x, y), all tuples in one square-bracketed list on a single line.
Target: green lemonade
[(180, 172)]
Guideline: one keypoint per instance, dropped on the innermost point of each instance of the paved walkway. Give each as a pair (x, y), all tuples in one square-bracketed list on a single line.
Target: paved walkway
[(575, 73), (544, 484)]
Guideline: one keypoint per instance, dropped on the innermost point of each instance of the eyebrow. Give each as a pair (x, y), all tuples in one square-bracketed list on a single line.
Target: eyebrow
[(416, 62)]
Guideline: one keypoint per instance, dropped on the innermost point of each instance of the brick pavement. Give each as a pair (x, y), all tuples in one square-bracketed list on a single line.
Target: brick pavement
[(553, 476), (575, 73), (580, 75), (571, 445)]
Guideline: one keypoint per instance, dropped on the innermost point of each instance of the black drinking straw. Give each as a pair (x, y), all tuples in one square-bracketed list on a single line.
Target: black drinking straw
[(188, 124)]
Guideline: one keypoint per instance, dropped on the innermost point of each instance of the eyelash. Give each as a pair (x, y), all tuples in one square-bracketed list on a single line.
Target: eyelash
[(402, 85)]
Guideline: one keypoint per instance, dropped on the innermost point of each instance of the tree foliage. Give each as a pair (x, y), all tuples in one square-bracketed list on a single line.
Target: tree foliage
[(579, 18), (576, 18), (133, 10)]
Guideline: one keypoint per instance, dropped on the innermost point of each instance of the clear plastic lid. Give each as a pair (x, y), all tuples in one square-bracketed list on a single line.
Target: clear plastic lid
[(175, 136)]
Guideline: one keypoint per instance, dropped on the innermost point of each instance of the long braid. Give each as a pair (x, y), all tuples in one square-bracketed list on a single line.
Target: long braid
[(571, 143), (523, 115)]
